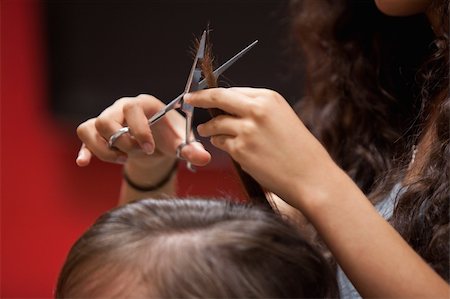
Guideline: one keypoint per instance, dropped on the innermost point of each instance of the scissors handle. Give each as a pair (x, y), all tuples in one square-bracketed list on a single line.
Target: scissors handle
[(116, 136)]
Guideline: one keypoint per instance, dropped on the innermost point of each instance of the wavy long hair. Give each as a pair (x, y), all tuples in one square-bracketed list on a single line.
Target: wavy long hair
[(375, 86)]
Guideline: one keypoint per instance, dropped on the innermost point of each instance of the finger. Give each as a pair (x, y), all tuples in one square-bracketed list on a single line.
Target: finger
[(97, 145), (220, 125), (195, 153), (170, 132), (252, 92), (137, 120), (84, 156), (229, 100), (122, 113), (107, 124), (223, 142)]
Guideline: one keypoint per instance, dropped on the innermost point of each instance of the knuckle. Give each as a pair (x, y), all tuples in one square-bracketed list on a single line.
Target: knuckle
[(270, 93), (237, 149), (218, 93), (219, 141), (144, 100), (121, 101), (145, 97), (81, 129), (274, 97), (247, 128), (128, 106), (258, 109), (101, 124)]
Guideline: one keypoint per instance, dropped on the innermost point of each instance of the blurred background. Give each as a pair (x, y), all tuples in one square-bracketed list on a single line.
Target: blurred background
[(63, 62)]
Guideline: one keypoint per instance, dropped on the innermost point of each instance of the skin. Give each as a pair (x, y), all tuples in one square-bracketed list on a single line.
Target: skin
[(401, 8), (363, 243), (303, 174), (142, 151), (372, 254)]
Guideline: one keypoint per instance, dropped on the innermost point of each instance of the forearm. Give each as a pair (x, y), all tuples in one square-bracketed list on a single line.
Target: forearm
[(372, 254), (294, 164), (146, 175)]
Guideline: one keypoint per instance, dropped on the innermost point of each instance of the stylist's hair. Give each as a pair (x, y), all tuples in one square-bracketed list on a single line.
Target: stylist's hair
[(194, 249), (374, 85)]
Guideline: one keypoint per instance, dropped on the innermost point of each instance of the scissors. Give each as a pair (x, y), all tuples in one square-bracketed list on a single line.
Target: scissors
[(193, 84)]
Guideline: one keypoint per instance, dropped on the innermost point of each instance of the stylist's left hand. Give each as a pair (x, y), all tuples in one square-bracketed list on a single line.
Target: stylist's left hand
[(265, 136)]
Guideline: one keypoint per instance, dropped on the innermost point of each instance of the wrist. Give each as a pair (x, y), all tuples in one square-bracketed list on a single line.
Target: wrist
[(319, 190), (149, 177), (338, 190)]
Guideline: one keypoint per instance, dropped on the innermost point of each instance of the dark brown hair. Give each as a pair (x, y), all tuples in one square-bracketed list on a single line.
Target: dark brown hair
[(194, 249), (254, 191), (375, 86)]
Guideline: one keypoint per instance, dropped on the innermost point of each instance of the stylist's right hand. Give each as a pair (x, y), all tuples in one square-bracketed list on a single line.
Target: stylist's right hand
[(143, 145)]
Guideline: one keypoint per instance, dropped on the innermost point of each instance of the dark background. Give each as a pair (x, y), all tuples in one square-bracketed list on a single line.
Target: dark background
[(99, 51)]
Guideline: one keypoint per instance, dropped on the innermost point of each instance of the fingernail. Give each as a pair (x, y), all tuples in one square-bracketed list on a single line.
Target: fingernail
[(80, 155), (148, 148), (202, 134), (199, 129), (122, 160)]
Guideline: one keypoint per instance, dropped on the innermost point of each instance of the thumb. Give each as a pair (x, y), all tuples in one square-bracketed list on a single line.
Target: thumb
[(169, 134), (195, 153), (84, 156)]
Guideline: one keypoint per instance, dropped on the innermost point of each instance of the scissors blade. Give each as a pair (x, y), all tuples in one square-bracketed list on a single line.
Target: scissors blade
[(175, 103), (192, 80), (217, 72), (192, 85)]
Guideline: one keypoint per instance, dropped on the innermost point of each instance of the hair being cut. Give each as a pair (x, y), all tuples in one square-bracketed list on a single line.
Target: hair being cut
[(254, 191), (194, 249)]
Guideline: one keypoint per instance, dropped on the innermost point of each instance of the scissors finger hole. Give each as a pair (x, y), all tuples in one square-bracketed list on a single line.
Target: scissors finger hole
[(179, 149), (123, 142)]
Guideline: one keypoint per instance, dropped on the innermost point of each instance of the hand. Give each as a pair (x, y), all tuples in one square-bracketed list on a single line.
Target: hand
[(143, 146), (265, 136)]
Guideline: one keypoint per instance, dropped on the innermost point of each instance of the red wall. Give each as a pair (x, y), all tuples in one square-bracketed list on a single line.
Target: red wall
[(46, 200)]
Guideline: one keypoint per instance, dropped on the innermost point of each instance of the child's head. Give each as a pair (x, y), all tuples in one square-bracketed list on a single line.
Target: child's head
[(194, 248)]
